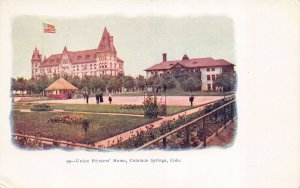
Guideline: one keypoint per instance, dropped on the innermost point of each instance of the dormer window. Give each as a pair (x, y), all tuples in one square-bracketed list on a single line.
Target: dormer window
[(87, 56), (79, 57)]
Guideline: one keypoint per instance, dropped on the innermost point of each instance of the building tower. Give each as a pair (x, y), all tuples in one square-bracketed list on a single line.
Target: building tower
[(36, 60)]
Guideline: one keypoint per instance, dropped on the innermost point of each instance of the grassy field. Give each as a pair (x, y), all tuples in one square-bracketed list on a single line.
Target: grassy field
[(102, 108), (101, 126)]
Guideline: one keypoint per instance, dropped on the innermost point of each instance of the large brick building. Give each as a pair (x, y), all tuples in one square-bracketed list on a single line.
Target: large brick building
[(208, 68), (100, 61)]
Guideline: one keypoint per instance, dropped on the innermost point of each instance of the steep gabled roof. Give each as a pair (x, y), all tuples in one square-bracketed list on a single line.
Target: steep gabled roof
[(106, 44), (61, 84), (84, 56)]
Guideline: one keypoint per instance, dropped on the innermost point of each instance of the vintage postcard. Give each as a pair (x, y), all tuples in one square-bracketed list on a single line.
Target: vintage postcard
[(183, 87)]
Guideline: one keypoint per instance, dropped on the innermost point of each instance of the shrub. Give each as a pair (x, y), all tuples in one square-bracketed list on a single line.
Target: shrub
[(150, 108), (162, 109), (41, 107), (132, 106)]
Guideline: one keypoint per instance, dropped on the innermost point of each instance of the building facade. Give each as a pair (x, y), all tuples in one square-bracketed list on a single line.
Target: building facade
[(207, 68), (101, 61)]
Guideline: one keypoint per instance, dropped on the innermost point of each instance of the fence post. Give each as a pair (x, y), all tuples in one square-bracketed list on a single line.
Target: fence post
[(204, 133), (224, 112), (164, 142), (215, 122), (187, 136)]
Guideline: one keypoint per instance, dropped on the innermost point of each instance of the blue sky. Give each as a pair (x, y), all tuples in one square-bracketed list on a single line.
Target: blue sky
[(139, 41)]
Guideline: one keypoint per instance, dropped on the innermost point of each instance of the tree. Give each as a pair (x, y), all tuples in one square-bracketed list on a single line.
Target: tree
[(85, 83), (226, 80), (76, 81), (190, 83), (31, 86), (97, 83), (20, 84), (171, 82), (128, 83), (42, 82), (140, 82)]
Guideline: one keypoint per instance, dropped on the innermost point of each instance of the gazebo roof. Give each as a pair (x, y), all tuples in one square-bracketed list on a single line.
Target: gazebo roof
[(61, 84)]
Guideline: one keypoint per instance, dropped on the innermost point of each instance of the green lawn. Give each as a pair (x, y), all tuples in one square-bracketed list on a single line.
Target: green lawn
[(102, 108), (101, 126)]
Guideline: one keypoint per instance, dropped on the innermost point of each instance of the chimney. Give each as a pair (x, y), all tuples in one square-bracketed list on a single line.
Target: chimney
[(164, 56)]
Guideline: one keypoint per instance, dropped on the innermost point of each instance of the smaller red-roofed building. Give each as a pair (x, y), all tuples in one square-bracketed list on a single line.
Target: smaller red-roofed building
[(208, 68)]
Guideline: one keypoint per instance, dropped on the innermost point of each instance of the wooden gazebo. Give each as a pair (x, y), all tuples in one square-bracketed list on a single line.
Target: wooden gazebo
[(61, 89)]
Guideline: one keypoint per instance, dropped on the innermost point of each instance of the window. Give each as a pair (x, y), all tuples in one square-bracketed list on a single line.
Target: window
[(213, 77), (208, 77), (207, 69), (208, 87), (87, 56), (79, 57), (213, 69)]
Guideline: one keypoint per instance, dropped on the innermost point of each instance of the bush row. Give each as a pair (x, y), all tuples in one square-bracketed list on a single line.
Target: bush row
[(167, 126)]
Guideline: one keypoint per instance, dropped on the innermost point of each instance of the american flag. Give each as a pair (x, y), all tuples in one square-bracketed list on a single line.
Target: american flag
[(48, 28)]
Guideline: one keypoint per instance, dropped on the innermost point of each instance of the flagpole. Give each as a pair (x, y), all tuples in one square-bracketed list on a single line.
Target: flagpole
[(42, 39)]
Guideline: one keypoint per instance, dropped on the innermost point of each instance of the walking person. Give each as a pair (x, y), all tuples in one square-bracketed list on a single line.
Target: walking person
[(191, 99), (101, 97), (97, 98), (109, 98), (87, 98)]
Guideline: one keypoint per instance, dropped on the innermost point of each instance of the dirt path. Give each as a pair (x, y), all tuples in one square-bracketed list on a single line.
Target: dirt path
[(138, 100)]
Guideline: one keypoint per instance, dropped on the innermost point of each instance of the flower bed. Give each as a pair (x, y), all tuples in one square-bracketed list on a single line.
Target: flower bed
[(41, 107), (132, 106), (67, 119)]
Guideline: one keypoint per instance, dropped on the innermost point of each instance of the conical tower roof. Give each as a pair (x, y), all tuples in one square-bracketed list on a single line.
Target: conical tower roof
[(36, 55), (106, 44)]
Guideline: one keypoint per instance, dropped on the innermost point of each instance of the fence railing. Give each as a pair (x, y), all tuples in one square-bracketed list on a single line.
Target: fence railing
[(36, 142), (197, 131)]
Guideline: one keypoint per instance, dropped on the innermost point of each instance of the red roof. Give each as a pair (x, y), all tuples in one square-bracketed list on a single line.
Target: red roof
[(190, 63), (84, 56)]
